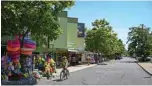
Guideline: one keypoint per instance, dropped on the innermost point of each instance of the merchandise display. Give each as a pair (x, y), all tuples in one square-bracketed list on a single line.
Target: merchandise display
[(11, 62)]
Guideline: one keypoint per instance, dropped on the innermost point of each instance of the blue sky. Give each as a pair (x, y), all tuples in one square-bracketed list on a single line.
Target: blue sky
[(120, 14)]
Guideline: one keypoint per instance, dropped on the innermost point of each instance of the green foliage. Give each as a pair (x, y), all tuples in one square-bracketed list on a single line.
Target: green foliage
[(102, 39), (140, 41), (38, 17)]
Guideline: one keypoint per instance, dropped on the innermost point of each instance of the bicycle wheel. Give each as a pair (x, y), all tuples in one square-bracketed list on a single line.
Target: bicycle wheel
[(62, 75), (66, 74)]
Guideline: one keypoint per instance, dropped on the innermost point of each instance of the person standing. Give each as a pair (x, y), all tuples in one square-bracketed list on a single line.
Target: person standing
[(88, 59)]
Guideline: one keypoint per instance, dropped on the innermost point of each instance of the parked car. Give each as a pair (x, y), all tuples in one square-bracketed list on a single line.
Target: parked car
[(118, 58), (149, 58)]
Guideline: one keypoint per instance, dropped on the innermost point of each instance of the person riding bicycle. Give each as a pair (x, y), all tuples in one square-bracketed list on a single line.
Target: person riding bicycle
[(65, 64)]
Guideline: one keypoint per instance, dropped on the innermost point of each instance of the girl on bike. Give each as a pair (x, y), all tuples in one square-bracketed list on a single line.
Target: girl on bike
[(65, 64)]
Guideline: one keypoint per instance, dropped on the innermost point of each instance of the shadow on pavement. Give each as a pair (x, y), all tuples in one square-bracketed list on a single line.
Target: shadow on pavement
[(128, 61), (57, 80), (147, 77)]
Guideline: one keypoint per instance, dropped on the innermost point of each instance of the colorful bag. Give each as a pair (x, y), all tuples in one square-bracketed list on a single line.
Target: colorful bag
[(15, 56), (26, 52), (13, 52), (13, 49), (30, 46), (29, 41), (13, 43)]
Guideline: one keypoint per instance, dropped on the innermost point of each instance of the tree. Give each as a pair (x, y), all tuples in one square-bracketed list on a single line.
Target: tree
[(140, 41), (103, 39), (38, 17), (90, 44)]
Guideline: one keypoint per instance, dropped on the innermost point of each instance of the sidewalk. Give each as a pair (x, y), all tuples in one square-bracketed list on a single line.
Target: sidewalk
[(147, 67)]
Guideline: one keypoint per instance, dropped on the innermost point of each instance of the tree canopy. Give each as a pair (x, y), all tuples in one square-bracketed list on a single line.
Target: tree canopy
[(140, 41), (38, 17), (103, 39)]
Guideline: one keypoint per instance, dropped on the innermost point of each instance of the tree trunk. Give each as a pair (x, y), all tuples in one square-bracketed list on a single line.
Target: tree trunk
[(48, 42), (22, 57)]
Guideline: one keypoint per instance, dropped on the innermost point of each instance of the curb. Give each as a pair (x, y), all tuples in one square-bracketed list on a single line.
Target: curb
[(145, 69)]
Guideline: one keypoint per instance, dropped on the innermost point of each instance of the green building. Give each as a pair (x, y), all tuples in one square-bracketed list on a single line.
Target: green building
[(72, 34), (67, 41)]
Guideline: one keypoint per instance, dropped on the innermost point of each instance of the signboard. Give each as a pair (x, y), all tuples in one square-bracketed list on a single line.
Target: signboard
[(81, 31)]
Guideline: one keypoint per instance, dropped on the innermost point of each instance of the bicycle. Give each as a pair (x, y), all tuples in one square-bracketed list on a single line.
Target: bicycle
[(64, 74)]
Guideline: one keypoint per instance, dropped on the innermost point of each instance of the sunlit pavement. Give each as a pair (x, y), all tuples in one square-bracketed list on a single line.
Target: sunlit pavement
[(119, 72), (147, 67)]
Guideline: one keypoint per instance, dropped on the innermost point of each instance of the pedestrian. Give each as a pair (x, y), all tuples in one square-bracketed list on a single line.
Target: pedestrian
[(80, 59), (88, 59)]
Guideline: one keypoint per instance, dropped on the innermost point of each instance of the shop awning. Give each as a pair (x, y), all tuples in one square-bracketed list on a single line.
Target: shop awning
[(72, 50)]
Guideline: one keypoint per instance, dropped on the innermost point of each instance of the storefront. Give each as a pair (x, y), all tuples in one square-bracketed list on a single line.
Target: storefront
[(73, 56)]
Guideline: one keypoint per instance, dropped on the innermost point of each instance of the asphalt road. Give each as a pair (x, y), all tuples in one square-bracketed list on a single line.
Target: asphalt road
[(120, 72)]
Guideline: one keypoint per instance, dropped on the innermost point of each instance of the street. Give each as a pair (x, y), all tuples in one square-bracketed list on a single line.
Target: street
[(119, 72)]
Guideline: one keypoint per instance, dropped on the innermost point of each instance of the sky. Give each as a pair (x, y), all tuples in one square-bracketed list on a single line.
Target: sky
[(120, 14)]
